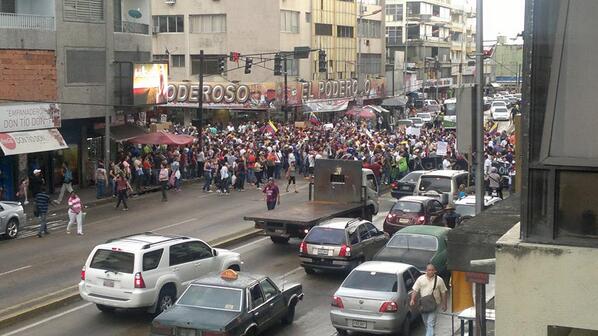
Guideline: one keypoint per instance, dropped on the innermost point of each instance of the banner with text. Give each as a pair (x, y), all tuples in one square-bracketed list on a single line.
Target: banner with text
[(24, 117), (31, 141)]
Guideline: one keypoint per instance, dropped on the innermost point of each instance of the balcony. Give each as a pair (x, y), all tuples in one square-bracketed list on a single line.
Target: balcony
[(131, 27), (27, 21)]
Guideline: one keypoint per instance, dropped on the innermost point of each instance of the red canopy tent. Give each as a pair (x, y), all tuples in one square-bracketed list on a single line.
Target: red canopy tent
[(162, 138), (364, 112)]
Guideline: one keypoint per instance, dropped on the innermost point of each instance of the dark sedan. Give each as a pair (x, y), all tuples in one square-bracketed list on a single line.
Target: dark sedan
[(406, 185), (413, 210), (231, 304)]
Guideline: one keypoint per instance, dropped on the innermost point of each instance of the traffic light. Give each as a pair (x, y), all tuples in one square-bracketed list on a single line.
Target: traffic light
[(234, 56), (248, 64), (222, 64), (322, 61), (277, 65)]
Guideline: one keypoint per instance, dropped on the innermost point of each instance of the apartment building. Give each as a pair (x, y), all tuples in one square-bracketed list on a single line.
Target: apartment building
[(64, 61)]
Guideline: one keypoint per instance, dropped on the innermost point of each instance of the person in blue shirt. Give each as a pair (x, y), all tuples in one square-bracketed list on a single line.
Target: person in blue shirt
[(42, 201)]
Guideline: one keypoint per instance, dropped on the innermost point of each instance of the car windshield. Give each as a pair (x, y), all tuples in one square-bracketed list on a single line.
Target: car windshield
[(436, 183), (405, 206), (416, 120), (326, 236), (113, 261), (411, 177), (404, 122), (212, 297), (501, 110), (371, 281), (465, 209), (424, 115), (413, 242)]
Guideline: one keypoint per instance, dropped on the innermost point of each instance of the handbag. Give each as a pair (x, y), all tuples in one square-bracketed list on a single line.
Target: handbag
[(427, 304)]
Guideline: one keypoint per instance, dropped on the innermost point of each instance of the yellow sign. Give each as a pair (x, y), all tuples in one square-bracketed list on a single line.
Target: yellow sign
[(229, 275)]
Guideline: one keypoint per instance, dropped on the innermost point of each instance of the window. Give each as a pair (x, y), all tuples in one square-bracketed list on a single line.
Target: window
[(178, 61), (210, 64), (211, 297), (394, 12), (213, 23), (323, 29), (256, 296), (289, 21), (199, 250), (372, 229), (151, 260), (371, 182), (187, 252), (269, 289), (113, 261), (308, 17), (85, 66), (160, 58), (413, 8), (370, 28), (371, 281), (169, 23), (364, 234), (83, 10), (344, 31), (394, 36), (324, 235), (179, 254), (371, 63), (435, 206), (408, 281)]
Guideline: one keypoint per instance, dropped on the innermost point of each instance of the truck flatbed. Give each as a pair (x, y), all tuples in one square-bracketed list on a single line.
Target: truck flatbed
[(305, 214)]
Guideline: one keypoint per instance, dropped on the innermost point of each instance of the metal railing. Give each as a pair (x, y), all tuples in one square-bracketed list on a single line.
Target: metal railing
[(27, 21), (131, 27)]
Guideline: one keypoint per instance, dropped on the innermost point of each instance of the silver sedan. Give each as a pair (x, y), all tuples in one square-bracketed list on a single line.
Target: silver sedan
[(12, 216), (374, 298)]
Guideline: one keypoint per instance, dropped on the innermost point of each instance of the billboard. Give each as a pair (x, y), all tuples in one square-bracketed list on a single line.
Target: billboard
[(150, 83), (24, 117)]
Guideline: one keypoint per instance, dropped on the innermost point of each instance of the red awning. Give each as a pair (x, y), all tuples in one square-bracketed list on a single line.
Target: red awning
[(365, 112), (162, 138)]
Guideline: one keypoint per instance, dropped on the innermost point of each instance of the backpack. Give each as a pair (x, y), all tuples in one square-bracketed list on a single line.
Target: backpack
[(68, 176)]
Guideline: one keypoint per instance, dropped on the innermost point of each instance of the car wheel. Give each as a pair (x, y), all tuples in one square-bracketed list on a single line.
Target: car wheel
[(309, 270), (290, 315), (165, 300), (12, 229), (280, 240), (341, 331), (105, 309), (406, 327)]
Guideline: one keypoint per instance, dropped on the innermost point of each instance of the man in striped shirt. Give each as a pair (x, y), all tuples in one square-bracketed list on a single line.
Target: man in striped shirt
[(75, 213), (42, 200)]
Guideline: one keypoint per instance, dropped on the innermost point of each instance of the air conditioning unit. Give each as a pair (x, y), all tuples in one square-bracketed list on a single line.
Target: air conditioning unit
[(170, 2), (155, 29)]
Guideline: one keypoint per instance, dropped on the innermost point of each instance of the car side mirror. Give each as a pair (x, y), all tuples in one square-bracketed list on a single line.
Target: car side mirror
[(214, 252)]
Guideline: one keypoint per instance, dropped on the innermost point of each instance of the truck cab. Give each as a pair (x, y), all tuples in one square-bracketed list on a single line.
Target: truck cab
[(372, 190)]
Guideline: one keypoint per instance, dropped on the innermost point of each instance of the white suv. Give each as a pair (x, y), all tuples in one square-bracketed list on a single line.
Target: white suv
[(148, 270)]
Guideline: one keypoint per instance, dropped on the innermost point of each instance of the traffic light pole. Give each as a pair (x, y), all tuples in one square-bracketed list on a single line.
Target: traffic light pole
[(284, 69), (199, 112)]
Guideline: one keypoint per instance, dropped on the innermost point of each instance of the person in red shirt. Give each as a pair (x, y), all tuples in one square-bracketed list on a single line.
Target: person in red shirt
[(272, 194)]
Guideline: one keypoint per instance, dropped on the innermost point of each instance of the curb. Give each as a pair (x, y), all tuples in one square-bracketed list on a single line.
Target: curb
[(70, 294)]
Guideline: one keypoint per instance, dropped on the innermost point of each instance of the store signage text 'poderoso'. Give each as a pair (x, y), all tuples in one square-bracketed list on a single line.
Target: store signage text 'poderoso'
[(218, 93)]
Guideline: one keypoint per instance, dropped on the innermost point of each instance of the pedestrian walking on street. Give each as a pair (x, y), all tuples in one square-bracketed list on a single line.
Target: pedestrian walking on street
[(75, 213), (258, 169), (42, 201), (291, 176), (163, 178), (122, 186), (272, 194), (432, 294), (450, 217), (36, 182), (207, 175), (22, 193), (101, 179), (224, 178), (67, 182)]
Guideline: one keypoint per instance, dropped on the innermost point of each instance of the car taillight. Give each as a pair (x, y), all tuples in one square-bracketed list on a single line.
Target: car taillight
[(421, 219), (345, 251), (389, 307), (337, 302), (139, 283), (303, 247), (213, 333), (394, 185), (159, 329), (83, 273)]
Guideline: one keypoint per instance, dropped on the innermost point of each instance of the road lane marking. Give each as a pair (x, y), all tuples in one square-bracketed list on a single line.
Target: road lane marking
[(15, 270), (48, 319), (172, 225), (250, 244), (289, 273)]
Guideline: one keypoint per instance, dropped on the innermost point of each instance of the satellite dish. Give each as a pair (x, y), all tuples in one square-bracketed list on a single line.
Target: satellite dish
[(135, 13)]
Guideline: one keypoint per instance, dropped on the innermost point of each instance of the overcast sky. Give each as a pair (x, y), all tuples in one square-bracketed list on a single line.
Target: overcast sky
[(504, 17)]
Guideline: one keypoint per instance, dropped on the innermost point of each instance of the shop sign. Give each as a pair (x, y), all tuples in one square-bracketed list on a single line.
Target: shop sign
[(332, 89), (24, 117), (212, 93), (31, 141), (442, 82)]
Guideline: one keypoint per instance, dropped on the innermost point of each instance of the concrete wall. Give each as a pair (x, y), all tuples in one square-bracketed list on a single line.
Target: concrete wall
[(538, 285), (27, 39), (288, 41), (28, 75)]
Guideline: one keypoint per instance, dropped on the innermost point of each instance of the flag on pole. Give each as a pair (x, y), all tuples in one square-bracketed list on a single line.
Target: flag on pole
[(313, 119), (272, 125), (270, 128)]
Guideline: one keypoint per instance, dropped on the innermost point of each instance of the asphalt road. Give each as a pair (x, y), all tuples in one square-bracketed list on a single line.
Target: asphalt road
[(260, 256), (32, 267)]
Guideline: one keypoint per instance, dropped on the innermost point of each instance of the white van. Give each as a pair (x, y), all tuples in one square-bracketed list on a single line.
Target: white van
[(443, 184)]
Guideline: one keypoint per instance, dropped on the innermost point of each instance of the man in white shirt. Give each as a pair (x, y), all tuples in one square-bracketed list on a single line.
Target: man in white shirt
[(446, 164), (427, 284), (487, 164)]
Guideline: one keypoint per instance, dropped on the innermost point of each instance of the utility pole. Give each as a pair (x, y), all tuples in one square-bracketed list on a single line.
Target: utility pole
[(359, 19), (199, 112), (284, 69)]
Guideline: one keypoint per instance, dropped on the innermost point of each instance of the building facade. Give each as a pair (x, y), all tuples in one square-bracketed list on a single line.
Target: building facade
[(434, 38), (506, 63), (68, 54)]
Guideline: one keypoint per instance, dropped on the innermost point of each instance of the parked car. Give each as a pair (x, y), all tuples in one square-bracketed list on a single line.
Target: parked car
[(12, 216), (432, 106), (497, 103), (148, 270), (374, 298), (405, 122), (443, 184), (340, 244), (500, 113), (229, 303), (413, 210), (417, 122), (426, 117), (418, 246), (465, 207), (406, 185)]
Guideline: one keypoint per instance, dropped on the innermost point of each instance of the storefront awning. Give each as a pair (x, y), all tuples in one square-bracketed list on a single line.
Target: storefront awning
[(31, 141), (394, 102), (125, 132)]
